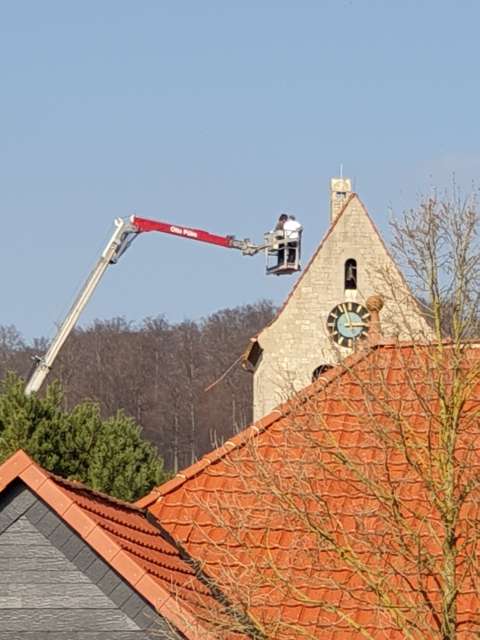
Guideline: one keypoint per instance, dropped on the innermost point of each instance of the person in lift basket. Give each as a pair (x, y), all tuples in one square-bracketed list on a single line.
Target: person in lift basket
[(292, 229), (279, 227)]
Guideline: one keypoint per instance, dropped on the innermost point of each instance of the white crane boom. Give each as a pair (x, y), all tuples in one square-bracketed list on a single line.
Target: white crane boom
[(125, 232), (115, 247)]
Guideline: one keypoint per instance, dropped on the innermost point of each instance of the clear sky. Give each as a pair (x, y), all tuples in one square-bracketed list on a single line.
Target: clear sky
[(216, 114)]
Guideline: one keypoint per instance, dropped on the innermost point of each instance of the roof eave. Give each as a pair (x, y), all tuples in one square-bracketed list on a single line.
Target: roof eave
[(20, 466)]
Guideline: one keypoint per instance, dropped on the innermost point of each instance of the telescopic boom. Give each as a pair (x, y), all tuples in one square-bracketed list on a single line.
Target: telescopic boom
[(125, 232)]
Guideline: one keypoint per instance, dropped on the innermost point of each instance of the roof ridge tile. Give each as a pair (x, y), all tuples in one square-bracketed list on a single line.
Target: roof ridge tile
[(16, 464), (56, 492), (253, 430), (276, 414)]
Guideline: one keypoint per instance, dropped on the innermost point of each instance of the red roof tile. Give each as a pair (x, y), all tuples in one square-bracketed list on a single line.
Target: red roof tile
[(317, 519)]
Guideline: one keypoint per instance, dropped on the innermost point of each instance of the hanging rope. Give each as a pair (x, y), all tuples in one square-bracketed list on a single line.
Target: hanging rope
[(224, 374)]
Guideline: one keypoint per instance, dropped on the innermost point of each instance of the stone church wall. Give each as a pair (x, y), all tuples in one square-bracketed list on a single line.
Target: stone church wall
[(297, 341)]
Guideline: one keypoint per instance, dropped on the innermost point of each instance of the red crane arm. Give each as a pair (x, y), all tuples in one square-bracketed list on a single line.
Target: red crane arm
[(143, 224), (125, 232)]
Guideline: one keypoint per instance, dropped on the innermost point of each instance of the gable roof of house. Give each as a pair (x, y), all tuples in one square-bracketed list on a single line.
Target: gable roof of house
[(252, 511), (126, 538)]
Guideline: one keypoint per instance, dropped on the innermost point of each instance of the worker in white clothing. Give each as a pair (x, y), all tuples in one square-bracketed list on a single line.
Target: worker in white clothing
[(279, 235), (292, 229)]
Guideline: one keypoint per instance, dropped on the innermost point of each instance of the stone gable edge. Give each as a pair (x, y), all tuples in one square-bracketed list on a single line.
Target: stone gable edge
[(255, 340)]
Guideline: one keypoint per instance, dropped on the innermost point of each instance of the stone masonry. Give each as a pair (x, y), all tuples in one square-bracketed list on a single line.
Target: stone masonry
[(297, 341)]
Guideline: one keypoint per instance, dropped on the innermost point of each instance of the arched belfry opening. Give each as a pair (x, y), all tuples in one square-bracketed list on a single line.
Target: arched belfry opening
[(351, 274)]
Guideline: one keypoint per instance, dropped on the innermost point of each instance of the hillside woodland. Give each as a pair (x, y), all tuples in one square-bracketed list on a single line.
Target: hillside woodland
[(182, 382)]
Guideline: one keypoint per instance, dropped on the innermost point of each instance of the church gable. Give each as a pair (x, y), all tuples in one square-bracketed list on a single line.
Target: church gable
[(349, 266)]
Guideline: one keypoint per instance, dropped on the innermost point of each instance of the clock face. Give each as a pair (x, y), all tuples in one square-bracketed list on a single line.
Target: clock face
[(348, 322)]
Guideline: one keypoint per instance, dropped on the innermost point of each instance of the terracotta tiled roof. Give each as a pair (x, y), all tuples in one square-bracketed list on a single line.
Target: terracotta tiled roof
[(123, 535), (323, 519)]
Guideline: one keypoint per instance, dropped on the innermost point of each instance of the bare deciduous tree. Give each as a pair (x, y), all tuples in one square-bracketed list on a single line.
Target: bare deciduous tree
[(356, 513), (158, 372), (437, 246)]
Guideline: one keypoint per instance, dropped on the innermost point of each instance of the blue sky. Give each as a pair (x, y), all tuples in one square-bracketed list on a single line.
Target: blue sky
[(219, 115)]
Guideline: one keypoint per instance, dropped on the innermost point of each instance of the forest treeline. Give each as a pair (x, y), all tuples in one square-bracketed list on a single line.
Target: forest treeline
[(157, 372)]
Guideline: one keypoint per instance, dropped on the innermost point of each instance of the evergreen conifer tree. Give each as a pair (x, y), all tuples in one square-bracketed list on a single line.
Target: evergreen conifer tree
[(107, 455)]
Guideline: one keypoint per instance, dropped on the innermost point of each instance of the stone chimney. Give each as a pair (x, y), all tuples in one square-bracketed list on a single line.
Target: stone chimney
[(340, 189)]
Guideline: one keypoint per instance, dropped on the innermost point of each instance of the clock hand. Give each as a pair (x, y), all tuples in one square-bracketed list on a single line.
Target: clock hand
[(349, 324), (349, 321)]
